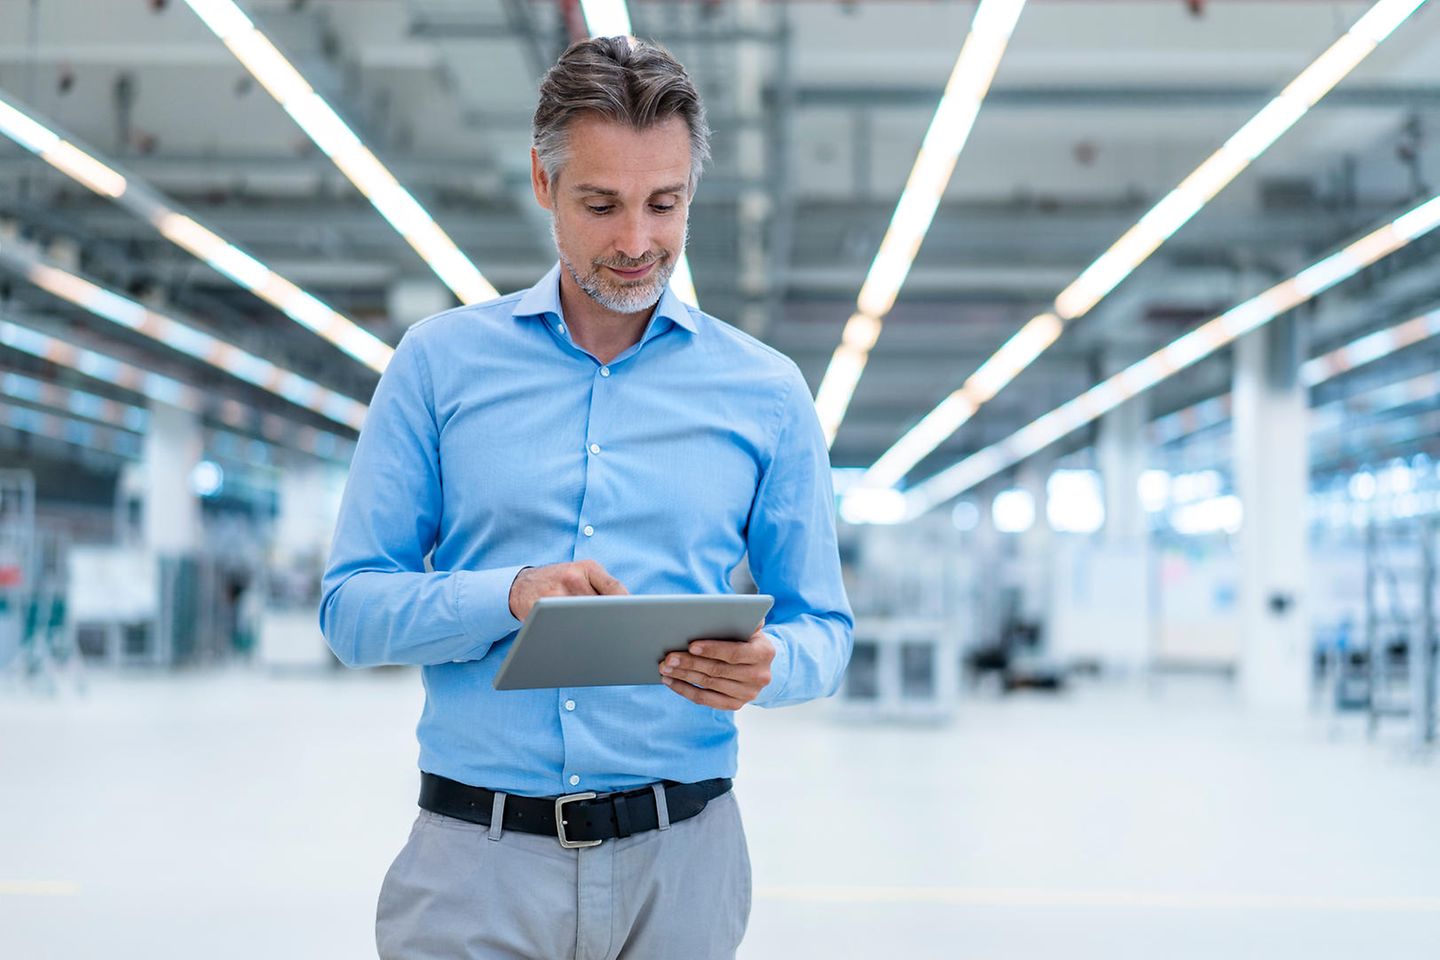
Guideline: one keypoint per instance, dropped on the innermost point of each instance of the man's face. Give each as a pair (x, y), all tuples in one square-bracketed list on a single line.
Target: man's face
[(620, 206)]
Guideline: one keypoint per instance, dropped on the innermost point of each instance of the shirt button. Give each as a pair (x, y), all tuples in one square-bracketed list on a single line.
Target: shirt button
[(594, 448), (569, 704), (604, 371), (560, 327), (589, 530), (574, 780)]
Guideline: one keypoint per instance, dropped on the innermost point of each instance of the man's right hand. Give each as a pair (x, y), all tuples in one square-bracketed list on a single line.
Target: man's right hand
[(583, 578)]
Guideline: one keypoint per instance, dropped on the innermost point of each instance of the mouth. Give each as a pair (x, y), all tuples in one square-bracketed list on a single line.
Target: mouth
[(636, 274)]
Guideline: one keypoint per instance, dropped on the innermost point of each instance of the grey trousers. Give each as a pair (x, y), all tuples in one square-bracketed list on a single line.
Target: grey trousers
[(462, 890)]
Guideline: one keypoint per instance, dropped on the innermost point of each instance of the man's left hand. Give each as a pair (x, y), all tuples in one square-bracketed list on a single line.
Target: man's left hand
[(724, 674)]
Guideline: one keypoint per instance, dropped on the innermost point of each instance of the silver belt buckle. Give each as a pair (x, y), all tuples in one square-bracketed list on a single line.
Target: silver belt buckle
[(560, 822)]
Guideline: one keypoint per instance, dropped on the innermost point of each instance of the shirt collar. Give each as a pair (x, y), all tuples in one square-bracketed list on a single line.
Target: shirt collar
[(544, 298)]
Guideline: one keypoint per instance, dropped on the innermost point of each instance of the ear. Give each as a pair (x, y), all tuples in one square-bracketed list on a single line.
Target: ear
[(540, 181)]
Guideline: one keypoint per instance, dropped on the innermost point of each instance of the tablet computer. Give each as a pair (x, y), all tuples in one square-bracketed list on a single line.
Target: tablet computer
[(612, 640)]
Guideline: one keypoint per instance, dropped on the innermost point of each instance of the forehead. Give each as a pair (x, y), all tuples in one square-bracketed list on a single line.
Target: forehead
[(619, 157)]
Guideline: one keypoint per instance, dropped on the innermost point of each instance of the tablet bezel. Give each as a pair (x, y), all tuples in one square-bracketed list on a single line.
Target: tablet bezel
[(627, 636)]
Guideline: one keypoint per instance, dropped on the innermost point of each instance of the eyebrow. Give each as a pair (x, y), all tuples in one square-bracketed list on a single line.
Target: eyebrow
[(607, 192)]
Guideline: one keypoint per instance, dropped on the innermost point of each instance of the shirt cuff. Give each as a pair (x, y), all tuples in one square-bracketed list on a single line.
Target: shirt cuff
[(779, 672), (482, 599)]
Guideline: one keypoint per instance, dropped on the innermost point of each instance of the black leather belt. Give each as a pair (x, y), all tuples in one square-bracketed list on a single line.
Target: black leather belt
[(577, 819)]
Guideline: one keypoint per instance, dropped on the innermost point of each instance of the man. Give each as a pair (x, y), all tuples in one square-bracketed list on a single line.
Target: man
[(590, 435)]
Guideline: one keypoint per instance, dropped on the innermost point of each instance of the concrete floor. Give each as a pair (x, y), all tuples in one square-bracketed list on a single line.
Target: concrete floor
[(235, 814)]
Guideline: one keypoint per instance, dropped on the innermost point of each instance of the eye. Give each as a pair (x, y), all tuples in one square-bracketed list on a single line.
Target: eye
[(601, 210), (662, 207)]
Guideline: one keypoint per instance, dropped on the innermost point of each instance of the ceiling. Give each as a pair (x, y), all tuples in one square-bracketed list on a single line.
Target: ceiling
[(1098, 109)]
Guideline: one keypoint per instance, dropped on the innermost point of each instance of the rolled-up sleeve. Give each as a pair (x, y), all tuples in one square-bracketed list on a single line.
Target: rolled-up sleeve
[(378, 604), (794, 557)]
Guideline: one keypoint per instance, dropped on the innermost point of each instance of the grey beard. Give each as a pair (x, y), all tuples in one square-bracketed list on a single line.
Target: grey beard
[(621, 299)]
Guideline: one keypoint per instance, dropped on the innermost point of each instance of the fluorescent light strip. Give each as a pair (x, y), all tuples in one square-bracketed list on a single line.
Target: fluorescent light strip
[(1376, 442), (1192, 419), (333, 136), (1164, 363), (185, 339), (611, 18), (78, 432), (58, 152), (78, 403), (683, 283), (145, 201), (606, 18), (1133, 248), (1338, 416), (975, 67), (1233, 157), (1371, 347), (1357, 353), (101, 366), (1390, 396)]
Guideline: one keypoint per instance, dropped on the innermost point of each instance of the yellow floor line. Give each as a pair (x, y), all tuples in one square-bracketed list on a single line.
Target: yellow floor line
[(1024, 897), (38, 888)]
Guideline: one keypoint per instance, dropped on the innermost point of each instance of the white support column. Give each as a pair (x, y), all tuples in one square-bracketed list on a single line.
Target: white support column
[(989, 546), (1035, 551), (1120, 453), (309, 503), (1120, 607), (170, 520), (1271, 458), (171, 511)]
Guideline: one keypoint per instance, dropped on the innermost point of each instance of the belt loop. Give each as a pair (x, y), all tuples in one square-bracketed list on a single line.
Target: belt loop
[(662, 809), (622, 816), (497, 816)]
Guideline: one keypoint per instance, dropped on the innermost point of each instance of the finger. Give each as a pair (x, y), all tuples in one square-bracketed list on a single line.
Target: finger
[(574, 581), (711, 668), (706, 698), (728, 651), (723, 685), (602, 581)]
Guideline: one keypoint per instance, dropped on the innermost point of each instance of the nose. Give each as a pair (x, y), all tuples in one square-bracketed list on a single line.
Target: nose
[(633, 240)]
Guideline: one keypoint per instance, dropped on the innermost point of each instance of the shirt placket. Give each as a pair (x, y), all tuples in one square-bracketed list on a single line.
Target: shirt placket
[(589, 529)]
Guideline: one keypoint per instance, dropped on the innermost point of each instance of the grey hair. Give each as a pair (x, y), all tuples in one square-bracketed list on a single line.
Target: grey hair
[(623, 79)]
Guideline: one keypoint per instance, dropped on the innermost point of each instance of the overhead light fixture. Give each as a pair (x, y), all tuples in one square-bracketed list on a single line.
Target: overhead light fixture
[(606, 18), (1333, 422), (975, 67), (1340, 413), (81, 433), (1367, 349), (123, 416), (101, 366), (40, 137), (873, 506), (1136, 245), (1370, 348), (78, 403), (1179, 354), (683, 283), (344, 148), (186, 339), (59, 152)]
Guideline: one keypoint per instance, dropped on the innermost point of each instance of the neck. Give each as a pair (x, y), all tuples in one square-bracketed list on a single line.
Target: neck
[(597, 329)]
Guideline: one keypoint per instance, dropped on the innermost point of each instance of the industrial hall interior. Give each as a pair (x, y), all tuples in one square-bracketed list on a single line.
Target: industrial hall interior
[(1114, 332)]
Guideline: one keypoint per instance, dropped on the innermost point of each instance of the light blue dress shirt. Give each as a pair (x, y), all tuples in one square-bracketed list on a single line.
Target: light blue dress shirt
[(496, 442)]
